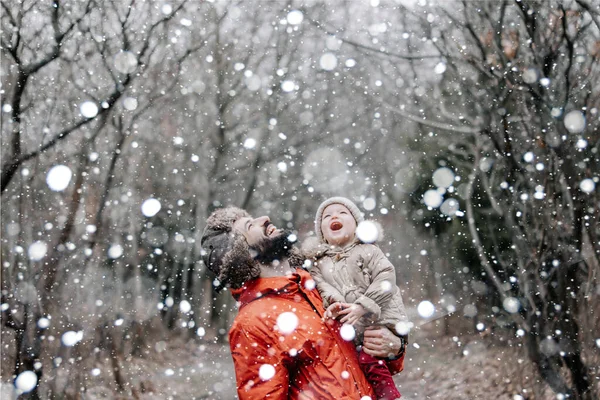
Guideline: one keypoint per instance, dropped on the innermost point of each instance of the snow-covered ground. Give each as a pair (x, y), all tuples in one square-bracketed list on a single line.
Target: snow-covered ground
[(437, 367), (466, 367)]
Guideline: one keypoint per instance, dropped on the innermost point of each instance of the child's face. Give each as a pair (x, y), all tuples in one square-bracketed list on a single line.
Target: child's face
[(338, 225)]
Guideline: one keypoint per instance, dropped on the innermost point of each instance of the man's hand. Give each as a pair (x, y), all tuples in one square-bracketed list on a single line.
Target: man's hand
[(380, 342)]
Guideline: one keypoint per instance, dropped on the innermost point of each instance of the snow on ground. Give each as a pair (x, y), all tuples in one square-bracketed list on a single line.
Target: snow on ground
[(464, 367), (441, 367)]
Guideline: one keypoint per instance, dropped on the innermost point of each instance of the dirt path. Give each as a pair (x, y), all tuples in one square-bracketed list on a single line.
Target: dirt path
[(437, 367), (463, 367), (468, 367), (205, 372)]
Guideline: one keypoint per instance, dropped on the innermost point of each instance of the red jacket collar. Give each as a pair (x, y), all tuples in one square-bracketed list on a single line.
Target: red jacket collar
[(261, 286)]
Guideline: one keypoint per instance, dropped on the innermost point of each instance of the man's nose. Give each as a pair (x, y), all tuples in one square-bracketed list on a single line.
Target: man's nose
[(262, 221)]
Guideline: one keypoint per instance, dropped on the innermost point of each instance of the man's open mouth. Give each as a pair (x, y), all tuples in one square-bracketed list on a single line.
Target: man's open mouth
[(270, 230), (336, 226)]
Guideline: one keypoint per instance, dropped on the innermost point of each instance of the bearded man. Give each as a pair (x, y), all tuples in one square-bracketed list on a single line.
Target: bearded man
[(281, 344)]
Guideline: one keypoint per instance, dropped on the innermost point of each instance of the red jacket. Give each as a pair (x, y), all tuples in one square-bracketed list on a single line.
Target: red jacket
[(311, 362)]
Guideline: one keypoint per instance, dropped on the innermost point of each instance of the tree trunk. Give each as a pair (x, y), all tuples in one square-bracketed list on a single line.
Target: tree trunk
[(28, 351), (569, 325), (115, 359), (548, 368)]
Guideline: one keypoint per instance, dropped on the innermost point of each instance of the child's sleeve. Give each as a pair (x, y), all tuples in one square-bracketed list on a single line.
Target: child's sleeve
[(328, 292), (383, 281)]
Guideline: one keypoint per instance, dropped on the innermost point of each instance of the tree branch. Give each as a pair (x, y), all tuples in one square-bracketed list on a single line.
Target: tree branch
[(9, 320), (587, 8), (321, 27), (432, 124), (477, 241)]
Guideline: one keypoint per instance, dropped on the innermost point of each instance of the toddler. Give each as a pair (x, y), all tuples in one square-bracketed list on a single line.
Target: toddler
[(357, 283)]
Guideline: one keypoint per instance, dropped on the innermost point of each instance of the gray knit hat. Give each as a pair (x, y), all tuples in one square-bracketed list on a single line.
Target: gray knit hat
[(335, 200), (226, 252)]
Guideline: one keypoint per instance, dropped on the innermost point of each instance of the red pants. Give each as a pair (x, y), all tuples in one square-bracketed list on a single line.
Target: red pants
[(379, 376)]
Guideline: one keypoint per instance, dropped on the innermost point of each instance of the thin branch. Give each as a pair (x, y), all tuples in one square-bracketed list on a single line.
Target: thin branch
[(479, 246), (587, 8), (571, 53), (321, 27), (10, 16), (13, 48), (59, 37), (8, 319), (272, 155), (491, 197), (151, 31), (60, 136), (432, 124), (11, 166), (474, 35)]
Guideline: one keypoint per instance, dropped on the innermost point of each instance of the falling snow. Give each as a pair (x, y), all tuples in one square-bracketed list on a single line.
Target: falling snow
[(347, 332), (150, 207), (367, 231), (287, 323), (465, 132), (266, 372), (426, 309), (88, 109), (37, 251), (26, 381), (58, 178)]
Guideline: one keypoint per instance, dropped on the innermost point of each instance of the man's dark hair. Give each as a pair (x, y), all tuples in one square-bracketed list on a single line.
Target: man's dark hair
[(225, 252)]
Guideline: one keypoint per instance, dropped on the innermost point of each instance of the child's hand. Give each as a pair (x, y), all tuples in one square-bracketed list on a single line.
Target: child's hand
[(353, 313), (334, 310)]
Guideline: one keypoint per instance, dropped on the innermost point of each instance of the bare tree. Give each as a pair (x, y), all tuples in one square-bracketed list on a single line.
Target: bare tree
[(520, 84)]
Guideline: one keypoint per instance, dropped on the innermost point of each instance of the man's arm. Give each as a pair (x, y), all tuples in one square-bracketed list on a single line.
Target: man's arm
[(259, 373), (383, 343)]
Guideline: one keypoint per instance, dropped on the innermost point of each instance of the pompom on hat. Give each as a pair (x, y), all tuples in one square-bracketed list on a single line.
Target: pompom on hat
[(353, 208)]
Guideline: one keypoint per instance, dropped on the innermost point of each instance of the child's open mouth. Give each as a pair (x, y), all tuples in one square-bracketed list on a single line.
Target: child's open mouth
[(336, 226)]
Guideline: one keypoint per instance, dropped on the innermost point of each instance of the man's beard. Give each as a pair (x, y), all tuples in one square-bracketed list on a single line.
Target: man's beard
[(271, 249)]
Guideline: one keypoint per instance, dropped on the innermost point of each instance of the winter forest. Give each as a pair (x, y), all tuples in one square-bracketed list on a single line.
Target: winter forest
[(468, 130)]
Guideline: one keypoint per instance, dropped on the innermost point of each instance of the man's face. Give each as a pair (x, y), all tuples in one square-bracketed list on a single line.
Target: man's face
[(266, 242), (256, 230)]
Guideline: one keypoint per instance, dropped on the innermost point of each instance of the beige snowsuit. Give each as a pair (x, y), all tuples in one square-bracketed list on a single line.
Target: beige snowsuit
[(361, 274)]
